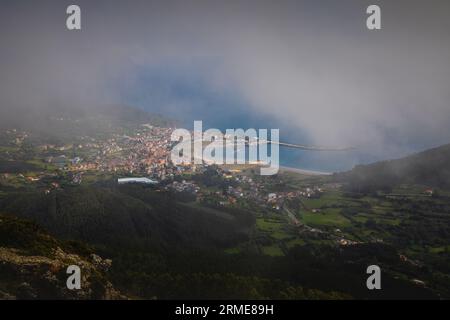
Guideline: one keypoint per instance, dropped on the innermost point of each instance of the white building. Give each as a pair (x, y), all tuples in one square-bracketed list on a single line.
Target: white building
[(136, 180)]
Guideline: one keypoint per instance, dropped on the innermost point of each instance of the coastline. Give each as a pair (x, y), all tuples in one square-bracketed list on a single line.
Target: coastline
[(305, 172)]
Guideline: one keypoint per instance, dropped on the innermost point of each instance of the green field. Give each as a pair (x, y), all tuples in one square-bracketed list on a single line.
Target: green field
[(327, 217), (268, 225), (295, 242), (273, 250)]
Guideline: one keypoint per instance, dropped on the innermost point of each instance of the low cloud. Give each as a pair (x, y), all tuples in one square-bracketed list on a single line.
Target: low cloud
[(309, 65)]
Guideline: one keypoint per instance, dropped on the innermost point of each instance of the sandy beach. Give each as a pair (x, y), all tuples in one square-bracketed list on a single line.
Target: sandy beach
[(305, 172)]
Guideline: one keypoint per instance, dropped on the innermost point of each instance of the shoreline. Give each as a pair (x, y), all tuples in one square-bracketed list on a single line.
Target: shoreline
[(305, 172)]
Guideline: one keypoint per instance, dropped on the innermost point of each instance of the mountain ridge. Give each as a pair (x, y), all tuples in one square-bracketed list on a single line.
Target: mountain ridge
[(430, 168)]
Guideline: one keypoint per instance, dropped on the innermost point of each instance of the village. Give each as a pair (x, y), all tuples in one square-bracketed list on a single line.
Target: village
[(143, 157), (144, 153)]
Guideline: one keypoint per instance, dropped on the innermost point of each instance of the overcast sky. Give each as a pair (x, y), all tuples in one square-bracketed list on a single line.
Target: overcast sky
[(311, 65)]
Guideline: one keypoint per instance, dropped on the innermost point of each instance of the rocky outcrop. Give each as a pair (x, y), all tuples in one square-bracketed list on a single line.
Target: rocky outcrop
[(42, 274)]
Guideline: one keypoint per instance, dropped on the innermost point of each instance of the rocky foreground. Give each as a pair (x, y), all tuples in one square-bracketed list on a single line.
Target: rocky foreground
[(33, 265)]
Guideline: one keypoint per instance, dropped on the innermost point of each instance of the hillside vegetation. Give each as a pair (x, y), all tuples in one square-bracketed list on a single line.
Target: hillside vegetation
[(127, 215), (430, 168)]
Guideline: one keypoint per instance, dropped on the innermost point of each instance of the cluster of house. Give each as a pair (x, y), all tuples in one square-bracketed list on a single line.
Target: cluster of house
[(77, 178), (276, 200), (183, 186), (244, 186), (313, 192), (15, 136), (146, 152), (347, 242)]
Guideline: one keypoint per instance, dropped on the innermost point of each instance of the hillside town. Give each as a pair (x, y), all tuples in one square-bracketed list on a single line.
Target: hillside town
[(143, 154)]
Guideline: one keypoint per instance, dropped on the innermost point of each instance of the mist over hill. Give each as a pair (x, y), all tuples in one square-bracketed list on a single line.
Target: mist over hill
[(69, 123), (429, 168)]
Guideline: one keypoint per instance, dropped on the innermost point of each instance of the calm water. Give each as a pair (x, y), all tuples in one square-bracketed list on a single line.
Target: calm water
[(186, 98), (327, 161)]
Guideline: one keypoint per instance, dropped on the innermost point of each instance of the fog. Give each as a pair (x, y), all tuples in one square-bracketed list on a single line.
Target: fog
[(312, 65)]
